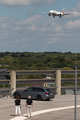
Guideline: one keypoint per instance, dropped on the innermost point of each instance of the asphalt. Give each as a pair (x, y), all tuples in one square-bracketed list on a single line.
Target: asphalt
[(59, 108)]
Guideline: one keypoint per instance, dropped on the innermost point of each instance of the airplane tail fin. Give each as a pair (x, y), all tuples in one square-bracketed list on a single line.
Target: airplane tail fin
[(63, 10)]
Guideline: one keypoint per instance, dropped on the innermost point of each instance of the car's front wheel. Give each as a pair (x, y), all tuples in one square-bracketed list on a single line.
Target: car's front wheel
[(39, 97)]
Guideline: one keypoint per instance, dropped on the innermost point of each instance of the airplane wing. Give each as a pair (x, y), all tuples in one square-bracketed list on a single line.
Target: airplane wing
[(67, 13)]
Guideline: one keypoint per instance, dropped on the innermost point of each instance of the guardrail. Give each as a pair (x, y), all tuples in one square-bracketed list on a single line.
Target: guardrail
[(5, 94)]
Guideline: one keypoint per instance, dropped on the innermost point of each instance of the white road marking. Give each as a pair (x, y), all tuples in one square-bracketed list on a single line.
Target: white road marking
[(23, 117), (19, 118)]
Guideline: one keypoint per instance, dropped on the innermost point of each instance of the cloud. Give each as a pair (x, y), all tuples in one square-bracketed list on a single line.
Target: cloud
[(73, 24), (76, 14), (37, 25), (52, 40), (25, 2), (37, 33)]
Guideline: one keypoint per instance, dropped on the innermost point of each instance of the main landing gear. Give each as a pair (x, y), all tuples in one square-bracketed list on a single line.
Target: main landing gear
[(53, 16)]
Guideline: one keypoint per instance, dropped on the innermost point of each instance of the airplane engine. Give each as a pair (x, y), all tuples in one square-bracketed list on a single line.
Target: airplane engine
[(49, 14), (60, 15)]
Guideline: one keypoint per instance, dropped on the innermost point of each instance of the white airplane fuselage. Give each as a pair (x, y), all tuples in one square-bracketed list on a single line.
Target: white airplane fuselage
[(55, 13)]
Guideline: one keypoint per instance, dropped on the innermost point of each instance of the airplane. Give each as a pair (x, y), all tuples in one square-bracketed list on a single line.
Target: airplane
[(56, 13)]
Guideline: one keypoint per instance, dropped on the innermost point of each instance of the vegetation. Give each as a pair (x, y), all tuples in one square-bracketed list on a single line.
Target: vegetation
[(38, 61), (18, 85)]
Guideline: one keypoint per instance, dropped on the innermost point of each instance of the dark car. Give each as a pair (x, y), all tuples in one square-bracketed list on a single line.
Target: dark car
[(39, 93)]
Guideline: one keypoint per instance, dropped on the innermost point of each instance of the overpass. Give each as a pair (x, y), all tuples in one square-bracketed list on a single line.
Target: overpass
[(38, 72), (56, 73)]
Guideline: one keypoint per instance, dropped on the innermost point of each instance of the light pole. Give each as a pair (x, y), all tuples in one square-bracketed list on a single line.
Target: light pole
[(75, 88)]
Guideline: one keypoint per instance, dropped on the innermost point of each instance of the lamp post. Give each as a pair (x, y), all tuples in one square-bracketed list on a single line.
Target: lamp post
[(75, 88)]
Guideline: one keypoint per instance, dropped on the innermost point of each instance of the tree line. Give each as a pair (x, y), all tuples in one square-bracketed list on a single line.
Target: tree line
[(37, 61)]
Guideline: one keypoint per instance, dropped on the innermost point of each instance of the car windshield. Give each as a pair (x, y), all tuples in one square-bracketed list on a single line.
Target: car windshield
[(48, 90)]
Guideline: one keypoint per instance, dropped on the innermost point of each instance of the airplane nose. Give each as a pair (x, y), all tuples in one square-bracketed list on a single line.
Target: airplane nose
[(50, 11)]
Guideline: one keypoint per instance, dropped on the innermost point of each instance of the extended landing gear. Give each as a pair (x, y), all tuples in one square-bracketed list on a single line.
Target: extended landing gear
[(53, 16), (60, 16)]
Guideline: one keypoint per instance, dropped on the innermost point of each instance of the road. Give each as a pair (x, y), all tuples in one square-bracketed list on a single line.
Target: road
[(60, 108)]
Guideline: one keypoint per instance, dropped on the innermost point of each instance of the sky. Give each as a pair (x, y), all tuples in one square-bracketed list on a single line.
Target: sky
[(24, 28)]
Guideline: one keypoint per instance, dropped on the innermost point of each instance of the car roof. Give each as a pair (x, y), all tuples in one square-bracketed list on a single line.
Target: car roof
[(39, 87)]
